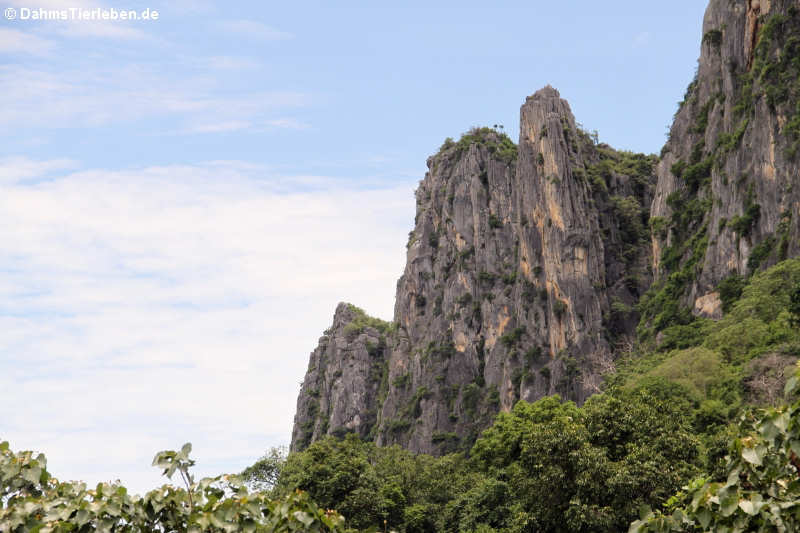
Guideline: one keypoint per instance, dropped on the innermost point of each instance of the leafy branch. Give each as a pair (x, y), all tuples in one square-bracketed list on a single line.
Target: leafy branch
[(31, 500)]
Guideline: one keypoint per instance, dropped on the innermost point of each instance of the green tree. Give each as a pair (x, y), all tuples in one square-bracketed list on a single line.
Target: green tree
[(337, 474), (583, 469), (371, 484), (760, 487), (794, 305), (31, 500), (264, 473)]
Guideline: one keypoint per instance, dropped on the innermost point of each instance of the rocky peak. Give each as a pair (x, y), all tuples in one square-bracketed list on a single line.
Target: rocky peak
[(565, 234), (726, 203), (340, 388), (344, 314), (512, 269)]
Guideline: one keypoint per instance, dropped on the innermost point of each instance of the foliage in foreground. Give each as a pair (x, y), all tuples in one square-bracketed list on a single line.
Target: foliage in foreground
[(31, 500), (761, 488)]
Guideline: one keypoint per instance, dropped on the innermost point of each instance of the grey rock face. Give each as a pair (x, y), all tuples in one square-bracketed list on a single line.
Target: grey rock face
[(515, 260), (731, 155), (339, 391)]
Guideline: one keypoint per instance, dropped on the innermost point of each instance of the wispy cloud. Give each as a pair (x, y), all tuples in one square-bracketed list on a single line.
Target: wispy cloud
[(101, 30), (20, 42), (230, 126), (218, 127), (166, 304), (106, 95), (254, 30), (287, 123), (229, 63), (14, 170), (641, 40)]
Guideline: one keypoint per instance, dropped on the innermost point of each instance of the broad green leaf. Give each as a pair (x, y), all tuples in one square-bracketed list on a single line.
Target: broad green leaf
[(704, 517), (751, 456), (791, 385), (304, 517), (186, 449), (782, 421), (645, 512), (729, 504), (753, 506)]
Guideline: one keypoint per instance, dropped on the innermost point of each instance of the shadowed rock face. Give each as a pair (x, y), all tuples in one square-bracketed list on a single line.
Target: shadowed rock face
[(339, 391), (526, 261)]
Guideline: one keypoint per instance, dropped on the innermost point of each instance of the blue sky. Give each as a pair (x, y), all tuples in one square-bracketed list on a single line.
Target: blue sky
[(186, 199)]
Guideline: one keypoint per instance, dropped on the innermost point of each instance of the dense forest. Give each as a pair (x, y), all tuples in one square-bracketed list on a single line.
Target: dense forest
[(680, 431)]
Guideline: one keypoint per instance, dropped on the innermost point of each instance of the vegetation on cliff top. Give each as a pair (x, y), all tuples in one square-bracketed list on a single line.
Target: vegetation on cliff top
[(362, 320), (495, 140)]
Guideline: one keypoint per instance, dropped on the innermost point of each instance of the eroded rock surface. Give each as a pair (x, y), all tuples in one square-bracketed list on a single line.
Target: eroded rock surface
[(522, 269)]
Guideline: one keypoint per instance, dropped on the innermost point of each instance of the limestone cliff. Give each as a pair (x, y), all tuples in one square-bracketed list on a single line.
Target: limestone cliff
[(522, 268), (530, 264), (727, 196)]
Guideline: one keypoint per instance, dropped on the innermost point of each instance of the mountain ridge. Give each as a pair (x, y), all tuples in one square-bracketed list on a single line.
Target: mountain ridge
[(532, 266)]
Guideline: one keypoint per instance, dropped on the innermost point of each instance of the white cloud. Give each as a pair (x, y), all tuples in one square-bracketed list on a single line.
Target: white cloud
[(101, 29), (288, 123), (641, 40), (144, 308), (228, 126), (108, 94), (230, 63), (16, 169), (110, 85), (19, 42), (219, 127), (254, 30)]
